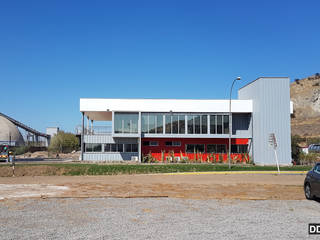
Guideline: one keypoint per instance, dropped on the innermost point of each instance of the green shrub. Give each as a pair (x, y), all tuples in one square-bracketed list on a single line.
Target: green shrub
[(64, 143)]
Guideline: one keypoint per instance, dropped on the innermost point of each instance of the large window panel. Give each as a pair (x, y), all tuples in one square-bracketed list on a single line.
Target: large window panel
[(204, 124), (226, 124), (93, 147), (134, 147), (211, 148), (144, 123), (194, 148), (168, 124), (126, 123), (175, 124), (159, 123), (197, 124), (221, 148), (219, 124), (120, 147), (128, 147), (107, 147), (152, 123), (182, 127), (213, 124), (113, 147), (190, 124)]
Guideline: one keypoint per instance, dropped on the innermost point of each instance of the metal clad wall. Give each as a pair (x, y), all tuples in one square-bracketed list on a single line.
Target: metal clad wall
[(108, 157), (271, 114), (107, 139)]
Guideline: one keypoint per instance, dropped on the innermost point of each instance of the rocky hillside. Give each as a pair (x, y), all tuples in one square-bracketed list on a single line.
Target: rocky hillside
[(305, 95)]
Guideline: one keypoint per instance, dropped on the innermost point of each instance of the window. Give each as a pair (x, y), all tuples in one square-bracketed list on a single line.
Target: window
[(221, 148), (182, 124), (120, 147), (130, 147), (197, 124), (93, 147), (216, 148), (175, 124), (107, 147), (204, 124), (113, 147), (240, 148), (159, 123), (144, 123), (219, 124), (134, 147), (317, 168), (190, 124), (127, 147), (150, 143), (213, 124), (172, 143), (194, 148), (126, 122), (168, 124), (152, 123), (211, 148), (225, 124)]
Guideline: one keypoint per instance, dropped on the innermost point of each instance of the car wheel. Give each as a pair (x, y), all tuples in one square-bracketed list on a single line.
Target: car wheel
[(307, 191)]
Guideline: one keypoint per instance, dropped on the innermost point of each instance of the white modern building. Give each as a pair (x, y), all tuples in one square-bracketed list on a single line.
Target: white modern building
[(161, 128)]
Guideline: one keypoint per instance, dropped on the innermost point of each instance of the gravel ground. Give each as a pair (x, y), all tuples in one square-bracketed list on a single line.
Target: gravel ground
[(156, 218)]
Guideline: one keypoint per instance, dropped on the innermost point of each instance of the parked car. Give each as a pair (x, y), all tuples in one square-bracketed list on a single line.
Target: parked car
[(314, 148), (312, 183)]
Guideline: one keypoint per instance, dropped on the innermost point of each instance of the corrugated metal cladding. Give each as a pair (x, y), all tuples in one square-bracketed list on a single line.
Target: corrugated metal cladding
[(109, 157), (271, 114)]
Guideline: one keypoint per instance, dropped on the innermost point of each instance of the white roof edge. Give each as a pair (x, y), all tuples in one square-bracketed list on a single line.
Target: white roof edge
[(164, 105)]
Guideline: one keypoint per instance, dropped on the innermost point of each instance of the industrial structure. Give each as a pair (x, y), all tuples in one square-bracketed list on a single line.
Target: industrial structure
[(10, 134), (184, 128)]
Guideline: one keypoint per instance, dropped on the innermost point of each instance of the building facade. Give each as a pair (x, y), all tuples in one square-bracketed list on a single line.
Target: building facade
[(194, 130)]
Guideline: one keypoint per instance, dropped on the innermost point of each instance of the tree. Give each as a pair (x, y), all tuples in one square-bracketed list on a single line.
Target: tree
[(295, 149), (64, 143)]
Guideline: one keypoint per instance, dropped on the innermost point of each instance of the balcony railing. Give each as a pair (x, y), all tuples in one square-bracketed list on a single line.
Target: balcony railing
[(95, 130)]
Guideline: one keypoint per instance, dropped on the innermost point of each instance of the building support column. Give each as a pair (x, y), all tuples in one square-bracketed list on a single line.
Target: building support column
[(82, 137)]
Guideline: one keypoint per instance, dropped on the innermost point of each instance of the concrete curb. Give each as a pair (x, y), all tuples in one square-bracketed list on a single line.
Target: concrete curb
[(239, 172)]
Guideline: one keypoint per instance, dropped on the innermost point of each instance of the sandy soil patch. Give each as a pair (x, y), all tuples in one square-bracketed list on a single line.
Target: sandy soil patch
[(248, 186), (8, 191)]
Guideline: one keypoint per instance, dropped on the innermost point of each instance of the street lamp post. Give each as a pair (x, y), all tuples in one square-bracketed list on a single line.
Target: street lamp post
[(230, 124)]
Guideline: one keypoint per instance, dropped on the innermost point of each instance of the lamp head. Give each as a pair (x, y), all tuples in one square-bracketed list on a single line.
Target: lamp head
[(238, 78)]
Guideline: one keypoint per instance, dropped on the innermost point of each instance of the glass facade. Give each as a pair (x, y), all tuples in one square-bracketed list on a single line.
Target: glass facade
[(241, 148), (126, 122), (197, 124), (219, 124), (194, 148), (93, 147), (111, 147), (152, 123), (216, 148), (174, 123)]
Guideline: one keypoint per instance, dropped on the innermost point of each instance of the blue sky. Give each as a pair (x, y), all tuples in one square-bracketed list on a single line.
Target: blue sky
[(54, 52)]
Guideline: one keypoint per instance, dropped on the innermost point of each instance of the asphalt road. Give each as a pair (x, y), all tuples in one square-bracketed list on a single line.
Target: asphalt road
[(156, 218)]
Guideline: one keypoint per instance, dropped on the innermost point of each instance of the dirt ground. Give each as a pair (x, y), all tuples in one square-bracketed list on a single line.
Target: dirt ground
[(202, 186)]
